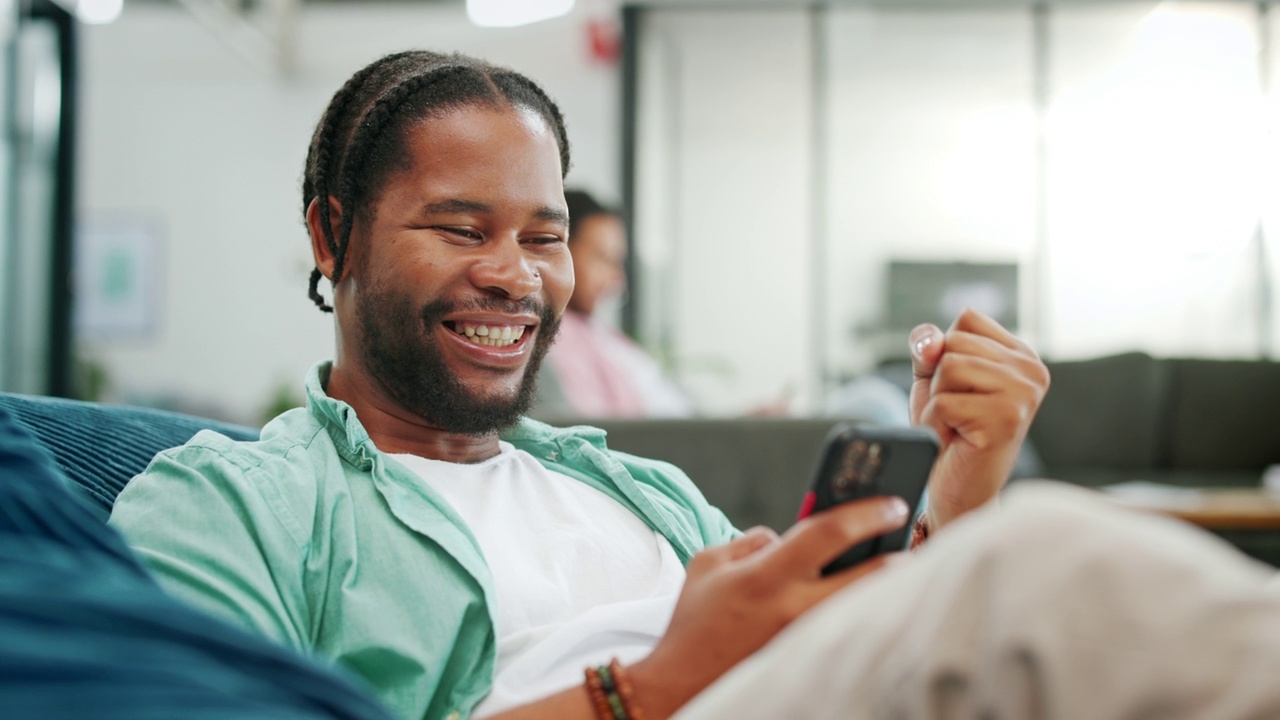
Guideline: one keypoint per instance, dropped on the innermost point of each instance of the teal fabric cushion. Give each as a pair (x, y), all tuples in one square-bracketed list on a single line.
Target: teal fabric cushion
[(100, 447), (86, 633)]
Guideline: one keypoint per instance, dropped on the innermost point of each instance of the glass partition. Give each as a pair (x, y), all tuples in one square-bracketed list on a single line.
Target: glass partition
[(722, 216), (931, 174), (810, 180)]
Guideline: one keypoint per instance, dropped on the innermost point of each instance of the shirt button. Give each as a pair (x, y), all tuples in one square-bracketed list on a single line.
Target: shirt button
[(454, 715), (553, 456)]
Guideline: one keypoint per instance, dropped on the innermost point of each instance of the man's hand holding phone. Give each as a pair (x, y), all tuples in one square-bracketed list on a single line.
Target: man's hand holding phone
[(736, 597), (977, 387), (860, 462)]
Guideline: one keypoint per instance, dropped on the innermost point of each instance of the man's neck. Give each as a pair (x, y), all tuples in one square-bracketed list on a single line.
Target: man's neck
[(394, 429)]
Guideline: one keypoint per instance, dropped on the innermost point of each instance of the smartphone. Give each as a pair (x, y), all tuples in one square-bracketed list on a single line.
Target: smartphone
[(862, 461)]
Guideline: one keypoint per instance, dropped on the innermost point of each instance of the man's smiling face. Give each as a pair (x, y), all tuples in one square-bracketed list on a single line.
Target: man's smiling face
[(459, 271)]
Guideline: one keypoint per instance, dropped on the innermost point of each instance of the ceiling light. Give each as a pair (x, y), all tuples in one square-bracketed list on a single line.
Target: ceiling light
[(98, 12), (510, 13)]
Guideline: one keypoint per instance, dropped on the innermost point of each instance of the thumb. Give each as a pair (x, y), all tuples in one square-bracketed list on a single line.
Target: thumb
[(752, 541), (926, 350), (926, 343)]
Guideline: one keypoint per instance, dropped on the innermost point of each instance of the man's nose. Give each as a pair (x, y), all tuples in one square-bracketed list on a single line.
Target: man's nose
[(507, 270)]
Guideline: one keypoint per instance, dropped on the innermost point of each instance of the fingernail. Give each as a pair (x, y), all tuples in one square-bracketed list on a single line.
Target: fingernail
[(896, 510), (923, 343)]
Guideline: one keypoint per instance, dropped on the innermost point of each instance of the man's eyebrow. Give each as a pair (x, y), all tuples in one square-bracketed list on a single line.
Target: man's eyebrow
[(553, 214), (458, 205)]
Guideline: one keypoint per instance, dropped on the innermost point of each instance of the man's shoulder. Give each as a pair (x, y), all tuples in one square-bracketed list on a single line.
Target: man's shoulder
[(290, 462), (287, 473), (294, 437)]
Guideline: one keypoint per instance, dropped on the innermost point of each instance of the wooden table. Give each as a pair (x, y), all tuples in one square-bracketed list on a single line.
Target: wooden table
[(1210, 508)]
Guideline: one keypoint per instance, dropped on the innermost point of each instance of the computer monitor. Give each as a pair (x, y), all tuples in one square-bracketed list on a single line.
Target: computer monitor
[(936, 292)]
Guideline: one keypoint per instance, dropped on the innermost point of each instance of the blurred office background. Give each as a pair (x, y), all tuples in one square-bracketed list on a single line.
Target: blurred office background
[(804, 181)]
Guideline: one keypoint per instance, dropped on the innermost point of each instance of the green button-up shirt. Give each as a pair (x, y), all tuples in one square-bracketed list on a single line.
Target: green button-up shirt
[(314, 537)]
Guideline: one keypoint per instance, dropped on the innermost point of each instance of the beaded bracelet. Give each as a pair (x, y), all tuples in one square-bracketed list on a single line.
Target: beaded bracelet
[(599, 701), (919, 532), (611, 693)]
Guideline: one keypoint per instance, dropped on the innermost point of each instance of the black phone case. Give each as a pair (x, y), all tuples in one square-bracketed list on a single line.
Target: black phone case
[(849, 471)]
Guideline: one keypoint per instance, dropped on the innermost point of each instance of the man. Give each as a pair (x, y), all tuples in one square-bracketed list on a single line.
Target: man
[(389, 527)]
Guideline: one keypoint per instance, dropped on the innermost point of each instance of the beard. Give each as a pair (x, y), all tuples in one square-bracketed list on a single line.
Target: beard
[(404, 356)]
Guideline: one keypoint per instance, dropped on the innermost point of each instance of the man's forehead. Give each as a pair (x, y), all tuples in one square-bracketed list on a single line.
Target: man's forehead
[(482, 160), (476, 122)]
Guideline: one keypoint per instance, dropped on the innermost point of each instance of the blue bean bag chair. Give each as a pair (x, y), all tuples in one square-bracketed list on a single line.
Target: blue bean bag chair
[(101, 447), (86, 632)]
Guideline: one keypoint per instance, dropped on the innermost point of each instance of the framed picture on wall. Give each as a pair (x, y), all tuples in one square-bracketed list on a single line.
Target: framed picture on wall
[(118, 271)]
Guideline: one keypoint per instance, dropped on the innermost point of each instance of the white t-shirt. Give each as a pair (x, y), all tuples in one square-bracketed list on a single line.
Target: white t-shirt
[(579, 578)]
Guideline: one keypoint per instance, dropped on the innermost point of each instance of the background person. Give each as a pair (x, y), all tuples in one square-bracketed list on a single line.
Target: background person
[(594, 370)]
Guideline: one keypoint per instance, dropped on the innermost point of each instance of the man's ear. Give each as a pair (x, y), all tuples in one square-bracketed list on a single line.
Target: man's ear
[(315, 227)]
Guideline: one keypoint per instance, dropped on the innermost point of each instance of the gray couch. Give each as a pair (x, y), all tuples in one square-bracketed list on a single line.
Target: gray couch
[(1184, 421), (1190, 422)]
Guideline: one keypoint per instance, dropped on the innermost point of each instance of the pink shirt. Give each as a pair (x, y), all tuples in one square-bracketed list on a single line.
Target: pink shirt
[(603, 373)]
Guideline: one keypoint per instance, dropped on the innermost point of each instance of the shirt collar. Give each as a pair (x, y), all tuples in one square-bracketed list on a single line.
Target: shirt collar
[(354, 444), (338, 418)]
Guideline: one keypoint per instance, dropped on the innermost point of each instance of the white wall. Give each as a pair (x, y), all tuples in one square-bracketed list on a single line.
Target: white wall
[(181, 133), (932, 158), (724, 233)]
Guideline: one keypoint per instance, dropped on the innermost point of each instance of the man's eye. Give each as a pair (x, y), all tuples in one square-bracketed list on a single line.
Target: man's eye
[(463, 233), (548, 240)]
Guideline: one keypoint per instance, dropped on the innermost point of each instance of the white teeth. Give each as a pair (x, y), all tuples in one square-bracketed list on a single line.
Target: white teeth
[(491, 336)]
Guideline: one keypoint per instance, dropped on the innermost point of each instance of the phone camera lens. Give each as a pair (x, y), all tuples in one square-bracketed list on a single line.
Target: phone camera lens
[(851, 467), (859, 468)]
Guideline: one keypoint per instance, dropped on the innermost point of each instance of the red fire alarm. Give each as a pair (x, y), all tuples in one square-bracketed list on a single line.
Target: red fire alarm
[(604, 41)]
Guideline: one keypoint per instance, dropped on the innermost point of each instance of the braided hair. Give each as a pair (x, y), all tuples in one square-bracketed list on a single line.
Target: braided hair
[(361, 138)]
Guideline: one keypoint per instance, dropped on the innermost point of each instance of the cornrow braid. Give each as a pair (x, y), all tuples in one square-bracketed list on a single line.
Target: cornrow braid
[(361, 137), (512, 84), (315, 176), (376, 120)]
